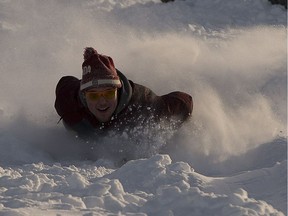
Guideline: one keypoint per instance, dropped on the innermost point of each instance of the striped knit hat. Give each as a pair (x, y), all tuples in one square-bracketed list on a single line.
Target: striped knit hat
[(98, 71)]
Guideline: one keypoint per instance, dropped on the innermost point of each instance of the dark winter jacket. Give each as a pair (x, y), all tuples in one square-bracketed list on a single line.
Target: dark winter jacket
[(137, 105)]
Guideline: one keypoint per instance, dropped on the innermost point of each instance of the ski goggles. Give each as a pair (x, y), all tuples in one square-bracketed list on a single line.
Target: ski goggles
[(96, 95)]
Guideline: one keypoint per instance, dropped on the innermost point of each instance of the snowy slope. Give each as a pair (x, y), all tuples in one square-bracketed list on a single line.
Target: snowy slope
[(230, 159), (152, 186)]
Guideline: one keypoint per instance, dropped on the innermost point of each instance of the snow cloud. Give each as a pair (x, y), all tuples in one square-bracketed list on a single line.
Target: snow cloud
[(237, 76)]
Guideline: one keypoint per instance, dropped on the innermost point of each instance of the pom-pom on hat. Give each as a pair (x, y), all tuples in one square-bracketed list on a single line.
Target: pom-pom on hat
[(98, 71)]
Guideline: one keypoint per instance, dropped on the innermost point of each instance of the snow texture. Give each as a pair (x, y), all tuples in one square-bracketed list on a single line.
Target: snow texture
[(229, 159)]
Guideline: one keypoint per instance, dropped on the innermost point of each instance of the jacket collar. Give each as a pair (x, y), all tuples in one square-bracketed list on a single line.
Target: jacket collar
[(125, 93)]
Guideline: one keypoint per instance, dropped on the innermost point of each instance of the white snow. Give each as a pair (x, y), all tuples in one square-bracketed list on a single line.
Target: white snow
[(230, 159)]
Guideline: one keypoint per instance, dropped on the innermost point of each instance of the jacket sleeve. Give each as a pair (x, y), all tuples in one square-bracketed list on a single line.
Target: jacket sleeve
[(67, 103), (177, 104)]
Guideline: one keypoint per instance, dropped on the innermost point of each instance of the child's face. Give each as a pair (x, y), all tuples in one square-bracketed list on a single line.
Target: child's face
[(102, 102)]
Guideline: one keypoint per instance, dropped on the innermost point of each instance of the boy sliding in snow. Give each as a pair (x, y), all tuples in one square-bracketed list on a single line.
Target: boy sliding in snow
[(105, 100)]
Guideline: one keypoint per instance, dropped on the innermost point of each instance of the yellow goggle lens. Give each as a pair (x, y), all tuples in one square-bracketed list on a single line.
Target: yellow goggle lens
[(107, 94)]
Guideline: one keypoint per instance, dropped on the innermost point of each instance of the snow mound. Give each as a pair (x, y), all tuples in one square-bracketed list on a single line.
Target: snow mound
[(154, 186)]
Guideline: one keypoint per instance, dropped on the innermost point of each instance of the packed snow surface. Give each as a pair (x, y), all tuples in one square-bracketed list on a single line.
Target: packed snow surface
[(229, 159)]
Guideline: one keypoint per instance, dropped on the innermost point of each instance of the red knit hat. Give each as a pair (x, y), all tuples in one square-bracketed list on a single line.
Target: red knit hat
[(98, 71)]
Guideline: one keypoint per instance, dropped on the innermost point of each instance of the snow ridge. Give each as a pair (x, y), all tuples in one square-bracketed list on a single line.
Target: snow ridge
[(159, 188)]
